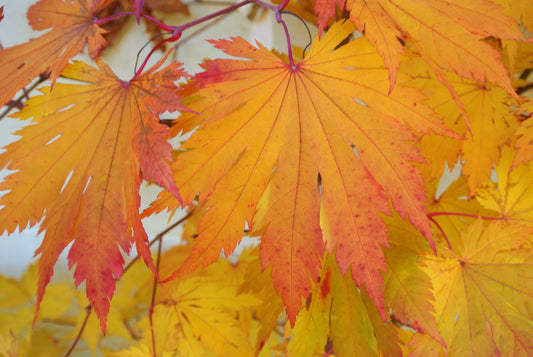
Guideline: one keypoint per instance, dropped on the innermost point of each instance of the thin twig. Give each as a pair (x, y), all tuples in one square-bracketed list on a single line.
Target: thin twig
[(159, 236), (433, 214), (306, 27), (88, 309), (18, 103), (441, 230), (154, 289)]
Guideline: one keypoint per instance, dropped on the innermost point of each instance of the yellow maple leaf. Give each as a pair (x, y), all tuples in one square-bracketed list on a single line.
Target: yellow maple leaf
[(351, 327), (268, 313), (483, 293), (9, 346), (310, 333), (491, 123), (198, 314), (510, 197), (452, 211), (407, 287)]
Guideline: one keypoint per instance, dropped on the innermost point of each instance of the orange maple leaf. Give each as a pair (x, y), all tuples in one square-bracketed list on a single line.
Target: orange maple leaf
[(72, 25), (289, 151), (80, 166), (446, 33)]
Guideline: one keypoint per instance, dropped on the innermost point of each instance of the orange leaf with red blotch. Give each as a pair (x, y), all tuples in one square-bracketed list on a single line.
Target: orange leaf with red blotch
[(72, 26), (80, 166), (307, 155)]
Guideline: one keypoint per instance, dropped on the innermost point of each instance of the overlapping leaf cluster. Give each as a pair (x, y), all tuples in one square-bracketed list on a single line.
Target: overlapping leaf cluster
[(332, 161)]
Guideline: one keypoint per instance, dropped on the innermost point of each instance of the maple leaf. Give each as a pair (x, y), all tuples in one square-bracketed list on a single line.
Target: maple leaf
[(72, 25), (353, 335), (492, 123), (446, 33), (407, 287), (80, 166), (483, 293), (199, 313), (511, 196), (1, 13), (267, 132), (453, 210), (257, 282), (9, 346), (524, 143), (325, 10), (520, 10), (310, 332)]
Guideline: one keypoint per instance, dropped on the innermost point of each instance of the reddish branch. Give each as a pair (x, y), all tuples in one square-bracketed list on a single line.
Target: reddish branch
[(19, 102), (435, 214), (176, 31)]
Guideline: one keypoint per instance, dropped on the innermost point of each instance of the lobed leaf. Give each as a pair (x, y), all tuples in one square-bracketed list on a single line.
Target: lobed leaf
[(80, 166), (72, 26), (483, 293), (305, 164), (447, 34)]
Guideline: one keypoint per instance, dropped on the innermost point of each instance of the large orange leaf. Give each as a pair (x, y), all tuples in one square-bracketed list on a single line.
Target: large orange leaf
[(72, 26), (446, 33), (484, 292), (307, 155), (80, 166)]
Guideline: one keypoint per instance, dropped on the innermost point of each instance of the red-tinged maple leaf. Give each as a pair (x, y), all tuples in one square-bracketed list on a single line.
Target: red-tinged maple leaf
[(80, 166), (446, 33), (286, 150), (72, 25), (325, 10), (483, 293)]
